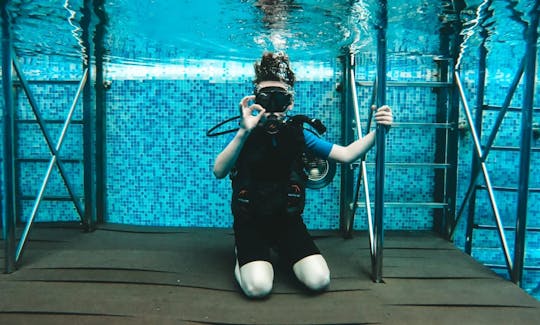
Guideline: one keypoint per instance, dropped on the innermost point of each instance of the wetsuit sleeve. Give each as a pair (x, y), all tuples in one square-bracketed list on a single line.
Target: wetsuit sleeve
[(316, 145)]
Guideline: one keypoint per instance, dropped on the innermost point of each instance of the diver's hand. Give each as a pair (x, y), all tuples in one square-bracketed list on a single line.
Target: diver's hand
[(383, 115), (250, 115)]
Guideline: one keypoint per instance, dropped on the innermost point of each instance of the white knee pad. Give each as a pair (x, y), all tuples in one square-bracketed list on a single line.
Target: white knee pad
[(255, 278), (313, 272)]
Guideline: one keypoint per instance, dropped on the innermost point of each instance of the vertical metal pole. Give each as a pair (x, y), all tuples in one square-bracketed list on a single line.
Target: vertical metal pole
[(525, 146), (9, 209), (378, 232), (347, 136), (88, 140), (99, 52), (475, 163), (440, 222), (452, 117)]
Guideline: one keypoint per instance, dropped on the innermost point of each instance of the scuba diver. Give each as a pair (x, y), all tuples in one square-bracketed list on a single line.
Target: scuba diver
[(264, 162)]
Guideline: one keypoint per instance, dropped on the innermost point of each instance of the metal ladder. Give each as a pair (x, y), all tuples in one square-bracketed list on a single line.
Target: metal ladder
[(526, 71), (12, 198), (14, 254), (445, 165)]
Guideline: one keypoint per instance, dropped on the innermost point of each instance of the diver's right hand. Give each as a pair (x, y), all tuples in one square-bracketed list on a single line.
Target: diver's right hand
[(250, 115)]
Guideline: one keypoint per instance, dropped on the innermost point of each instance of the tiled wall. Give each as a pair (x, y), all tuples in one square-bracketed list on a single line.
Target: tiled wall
[(160, 160)]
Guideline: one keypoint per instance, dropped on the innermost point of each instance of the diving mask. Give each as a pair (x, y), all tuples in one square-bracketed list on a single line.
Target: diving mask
[(273, 99)]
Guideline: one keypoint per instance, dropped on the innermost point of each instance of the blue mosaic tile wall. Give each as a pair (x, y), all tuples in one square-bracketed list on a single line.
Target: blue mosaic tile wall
[(160, 161)]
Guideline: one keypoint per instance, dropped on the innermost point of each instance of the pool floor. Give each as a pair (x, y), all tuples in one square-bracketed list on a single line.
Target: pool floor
[(142, 275)]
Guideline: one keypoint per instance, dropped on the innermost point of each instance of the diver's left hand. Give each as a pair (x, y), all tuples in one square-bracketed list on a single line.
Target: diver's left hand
[(383, 115)]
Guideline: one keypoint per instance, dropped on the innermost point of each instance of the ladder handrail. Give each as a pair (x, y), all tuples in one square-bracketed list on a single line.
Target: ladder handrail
[(380, 142)]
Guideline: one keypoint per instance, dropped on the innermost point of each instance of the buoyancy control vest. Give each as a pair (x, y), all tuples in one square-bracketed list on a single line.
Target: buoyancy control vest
[(268, 177)]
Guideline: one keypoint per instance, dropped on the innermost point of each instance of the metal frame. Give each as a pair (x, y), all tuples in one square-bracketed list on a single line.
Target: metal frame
[(55, 160), (527, 67), (483, 168), (15, 254), (10, 65)]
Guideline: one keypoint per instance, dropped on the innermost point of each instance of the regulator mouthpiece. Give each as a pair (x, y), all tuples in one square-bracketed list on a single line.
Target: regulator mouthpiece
[(273, 124)]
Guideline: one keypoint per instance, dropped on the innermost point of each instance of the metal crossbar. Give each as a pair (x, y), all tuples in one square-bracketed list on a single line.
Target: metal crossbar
[(479, 155), (363, 169), (48, 138), (53, 161), (489, 144), (13, 253), (375, 232)]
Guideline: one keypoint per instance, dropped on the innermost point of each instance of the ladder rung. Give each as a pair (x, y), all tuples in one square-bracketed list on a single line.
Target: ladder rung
[(49, 121), (510, 109), (419, 124), (410, 165), (50, 198), (508, 148), (47, 160), (48, 82), (508, 189), (427, 84), (500, 266), (491, 227), (430, 205)]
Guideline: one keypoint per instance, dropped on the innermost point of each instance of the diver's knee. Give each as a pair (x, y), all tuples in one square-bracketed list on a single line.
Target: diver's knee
[(317, 280), (313, 272), (257, 279), (257, 287)]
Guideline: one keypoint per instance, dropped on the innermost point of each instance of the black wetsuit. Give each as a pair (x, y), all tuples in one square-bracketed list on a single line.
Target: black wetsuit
[(269, 197)]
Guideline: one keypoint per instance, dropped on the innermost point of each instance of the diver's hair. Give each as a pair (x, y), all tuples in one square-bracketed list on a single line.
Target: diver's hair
[(274, 67)]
